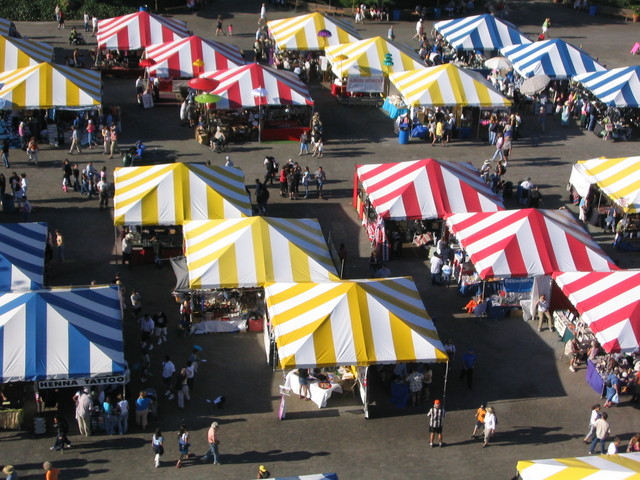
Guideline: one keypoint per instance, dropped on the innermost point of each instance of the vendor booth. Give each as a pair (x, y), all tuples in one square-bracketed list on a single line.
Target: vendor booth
[(47, 85), (358, 323), (273, 103), (486, 33), (554, 58), (19, 53), (620, 466), (22, 247), (365, 65), (618, 87), (417, 190), (179, 58), (301, 32)]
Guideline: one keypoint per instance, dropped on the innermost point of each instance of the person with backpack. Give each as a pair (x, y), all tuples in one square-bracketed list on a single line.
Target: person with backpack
[(262, 197)]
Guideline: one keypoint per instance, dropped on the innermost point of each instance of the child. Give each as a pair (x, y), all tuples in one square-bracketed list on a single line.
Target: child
[(230, 30)]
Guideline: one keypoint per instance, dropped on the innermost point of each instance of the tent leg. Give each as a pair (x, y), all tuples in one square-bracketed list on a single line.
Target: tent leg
[(444, 388)]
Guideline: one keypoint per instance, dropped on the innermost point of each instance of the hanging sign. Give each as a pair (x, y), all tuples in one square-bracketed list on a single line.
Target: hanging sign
[(374, 83)]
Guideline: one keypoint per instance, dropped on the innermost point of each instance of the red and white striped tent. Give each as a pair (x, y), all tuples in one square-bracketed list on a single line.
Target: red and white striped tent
[(609, 302), (139, 30), (238, 85), (527, 243), (176, 59), (423, 189)]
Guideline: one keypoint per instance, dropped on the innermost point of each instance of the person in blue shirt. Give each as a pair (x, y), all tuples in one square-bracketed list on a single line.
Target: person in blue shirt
[(142, 409), (468, 362)]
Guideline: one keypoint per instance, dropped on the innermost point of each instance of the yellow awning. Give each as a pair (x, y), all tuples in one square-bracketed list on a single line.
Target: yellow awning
[(623, 466), (19, 53), (47, 85), (301, 32), (362, 322), (447, 85), (252, 252), (366, 57), (172, 193)]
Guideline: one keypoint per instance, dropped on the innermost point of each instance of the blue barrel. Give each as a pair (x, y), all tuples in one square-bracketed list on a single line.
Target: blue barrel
[(403, 136), (437, 13), (593, 10), (144, 8), (465, 133), (395, 15)]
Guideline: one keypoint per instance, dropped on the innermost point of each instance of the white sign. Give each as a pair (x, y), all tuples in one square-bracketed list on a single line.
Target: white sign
[(84, 382), (374, 83)]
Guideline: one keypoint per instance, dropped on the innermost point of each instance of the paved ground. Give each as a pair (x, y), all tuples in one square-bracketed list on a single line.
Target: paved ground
[(542, 406)]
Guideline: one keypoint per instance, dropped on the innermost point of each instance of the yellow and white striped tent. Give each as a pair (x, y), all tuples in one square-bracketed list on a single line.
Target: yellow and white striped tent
[(447, 85), (46, 85), (173, 193), (251, 252), (596, 467), (19, 53), (366, 58), (301, 32), (362, 322), (618, 178)]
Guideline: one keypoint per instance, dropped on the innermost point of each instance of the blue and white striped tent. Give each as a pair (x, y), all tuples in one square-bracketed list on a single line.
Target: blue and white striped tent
[(60, 334), (554, 58), (480, 32), (619, 87), (22, 248)]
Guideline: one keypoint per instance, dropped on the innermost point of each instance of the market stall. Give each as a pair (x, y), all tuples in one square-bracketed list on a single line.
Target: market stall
[(398, 193), (301, 32), (48, 85), (359, 323), (485, 33), (22, 247), (179, 58), (366, 65), (621, 466), (554, 58), (618, 87), (256, 93), (19, 53)]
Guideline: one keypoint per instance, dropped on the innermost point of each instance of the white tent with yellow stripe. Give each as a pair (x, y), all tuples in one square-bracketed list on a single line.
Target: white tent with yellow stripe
[(594, 467), (618, 178), (172, 193), (366, 58), (301, 32), (447, 85), (251, 252), (47, 85), (362, 323), (19, 53)]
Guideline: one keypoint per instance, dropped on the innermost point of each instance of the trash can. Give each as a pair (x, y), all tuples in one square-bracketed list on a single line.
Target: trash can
[(395, 15), (403, 136), (437, 13), (593, 10)]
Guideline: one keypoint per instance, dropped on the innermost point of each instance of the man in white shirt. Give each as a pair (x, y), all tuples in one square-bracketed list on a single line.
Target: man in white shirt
[(168, 369), (146, 330), (542, 307), (436, 269)]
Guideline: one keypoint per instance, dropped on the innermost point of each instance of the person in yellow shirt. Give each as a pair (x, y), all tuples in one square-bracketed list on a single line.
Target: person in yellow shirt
[(438, 137), (480, 414)]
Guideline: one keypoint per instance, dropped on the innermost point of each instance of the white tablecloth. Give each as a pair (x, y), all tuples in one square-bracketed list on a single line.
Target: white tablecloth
[(219, 326), (319, 396)]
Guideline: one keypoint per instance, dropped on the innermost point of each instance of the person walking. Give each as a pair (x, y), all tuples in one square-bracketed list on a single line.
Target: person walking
[(168, 369), (499, 147), (75, 140), (602, 433), (62, 429), (142, 409), (5, 153), (436, 417), (490, 422), (304, 143), (157, 443), (122, 409), (113, 133), (468, 363), (481, 414), (214, 441), (183, 445), (219, 26), (545, 27), (321, 179), (94, 26), (83, 412)]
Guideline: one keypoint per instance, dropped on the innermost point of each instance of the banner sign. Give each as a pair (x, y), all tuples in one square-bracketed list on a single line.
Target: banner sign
[(374, 83), (84, 382)]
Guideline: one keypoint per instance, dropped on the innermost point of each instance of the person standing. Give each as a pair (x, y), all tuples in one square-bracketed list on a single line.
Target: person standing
[(87, 21), (10, 472), (160, 320), (468, 363), (51, 473), (542, 307), (91, 130), (304, 143), (136, 303), (60, 245), (114, 141), (391, 34), (262, 197), (602, 432), (490, 422), (5, 153), (306, 178), (103, 193), (83, 412), (182, 388), (123, 415), (142, 409), (436, 417), (183, 445), (214, 441), (109, 416), (94, 26), (157, 443), (263, 472), (303, 378), (321, 179), (481, 414), (415, 386), (614, 446), (22, 133), (168, 369), (219, 26), (436, 264)]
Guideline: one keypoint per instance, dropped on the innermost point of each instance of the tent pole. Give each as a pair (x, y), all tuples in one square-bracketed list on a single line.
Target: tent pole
[(444, 388)]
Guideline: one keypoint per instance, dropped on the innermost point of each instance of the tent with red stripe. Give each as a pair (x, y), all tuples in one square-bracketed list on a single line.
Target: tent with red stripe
[(609, 302), (426, 189), (139, 30), (176, 59), (237, 87), (527, 243)]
